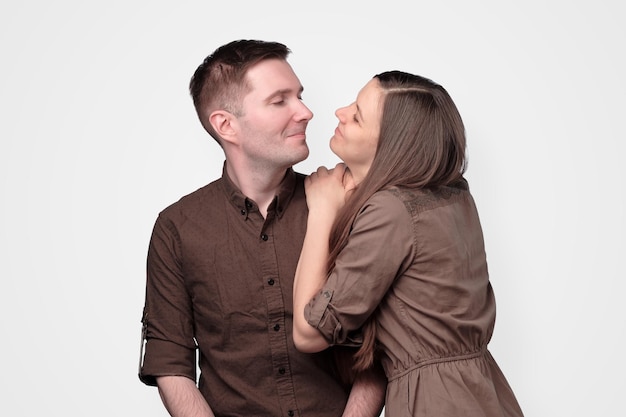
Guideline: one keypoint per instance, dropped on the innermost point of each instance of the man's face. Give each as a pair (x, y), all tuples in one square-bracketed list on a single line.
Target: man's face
[(272, 128)]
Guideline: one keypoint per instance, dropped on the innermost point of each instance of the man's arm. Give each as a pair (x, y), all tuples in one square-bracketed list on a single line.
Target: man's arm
[(182, 398), (367, 396)]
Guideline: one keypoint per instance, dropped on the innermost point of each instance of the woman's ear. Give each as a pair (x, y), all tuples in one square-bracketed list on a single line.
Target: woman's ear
[(224, 124)]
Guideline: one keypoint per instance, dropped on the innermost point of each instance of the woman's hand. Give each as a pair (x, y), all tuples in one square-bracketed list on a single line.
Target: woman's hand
[(327, 189)]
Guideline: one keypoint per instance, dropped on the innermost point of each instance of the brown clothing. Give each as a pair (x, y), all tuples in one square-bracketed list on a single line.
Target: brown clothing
[(220, 279), (416, 259)]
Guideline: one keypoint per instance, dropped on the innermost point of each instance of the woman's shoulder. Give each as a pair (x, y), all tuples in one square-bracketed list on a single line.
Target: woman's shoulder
[(421, 199), (388, 199)]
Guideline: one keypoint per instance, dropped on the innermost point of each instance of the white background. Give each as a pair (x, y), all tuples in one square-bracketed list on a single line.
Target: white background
[(98, 134)]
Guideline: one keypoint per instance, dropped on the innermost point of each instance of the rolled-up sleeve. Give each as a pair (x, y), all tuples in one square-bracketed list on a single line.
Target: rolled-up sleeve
[(167, 331), (380, 245)]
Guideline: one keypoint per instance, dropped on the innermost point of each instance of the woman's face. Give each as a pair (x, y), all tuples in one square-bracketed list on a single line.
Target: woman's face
[(356, 136)]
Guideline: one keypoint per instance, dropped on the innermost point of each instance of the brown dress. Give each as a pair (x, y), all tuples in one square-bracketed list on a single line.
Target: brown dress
[(416, 259)]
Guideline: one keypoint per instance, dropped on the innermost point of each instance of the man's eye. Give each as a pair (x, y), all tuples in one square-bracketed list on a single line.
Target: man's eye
[(355, 119)]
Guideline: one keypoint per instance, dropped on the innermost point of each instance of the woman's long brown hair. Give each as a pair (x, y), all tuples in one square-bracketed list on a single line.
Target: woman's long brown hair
[(421, 145)]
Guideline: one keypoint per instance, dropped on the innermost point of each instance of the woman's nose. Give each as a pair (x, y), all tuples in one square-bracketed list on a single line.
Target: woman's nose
[(340, 113)]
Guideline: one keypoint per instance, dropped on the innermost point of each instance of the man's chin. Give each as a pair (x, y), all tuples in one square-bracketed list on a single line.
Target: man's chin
[(300, 156)]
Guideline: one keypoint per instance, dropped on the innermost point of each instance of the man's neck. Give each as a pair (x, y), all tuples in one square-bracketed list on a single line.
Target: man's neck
[(260, 185)]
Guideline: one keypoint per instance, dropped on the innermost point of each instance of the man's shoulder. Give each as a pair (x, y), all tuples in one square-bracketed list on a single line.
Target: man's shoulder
[(196, 199)]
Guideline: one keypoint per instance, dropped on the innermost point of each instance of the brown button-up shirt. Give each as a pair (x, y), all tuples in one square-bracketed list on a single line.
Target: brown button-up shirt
[(220, 279)]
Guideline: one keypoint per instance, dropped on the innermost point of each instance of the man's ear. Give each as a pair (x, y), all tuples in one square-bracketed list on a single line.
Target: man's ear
[(224, 124)]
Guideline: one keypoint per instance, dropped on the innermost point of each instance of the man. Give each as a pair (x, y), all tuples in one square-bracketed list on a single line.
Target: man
[(221, 260)]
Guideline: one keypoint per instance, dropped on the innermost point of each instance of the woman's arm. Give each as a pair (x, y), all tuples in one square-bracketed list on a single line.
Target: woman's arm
[(325, 195)]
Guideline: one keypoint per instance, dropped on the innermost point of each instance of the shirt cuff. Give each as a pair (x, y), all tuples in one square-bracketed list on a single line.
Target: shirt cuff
[(319, 315), (164, 358)]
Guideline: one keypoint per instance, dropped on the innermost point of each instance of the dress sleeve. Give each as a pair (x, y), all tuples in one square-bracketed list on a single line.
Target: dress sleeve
[(379, 247), (167, 331)]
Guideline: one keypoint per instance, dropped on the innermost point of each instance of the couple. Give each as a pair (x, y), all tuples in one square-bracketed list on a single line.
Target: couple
[(381, 257)]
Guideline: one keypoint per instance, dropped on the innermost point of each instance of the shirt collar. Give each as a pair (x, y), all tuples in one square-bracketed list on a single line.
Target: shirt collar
[(246, 205)]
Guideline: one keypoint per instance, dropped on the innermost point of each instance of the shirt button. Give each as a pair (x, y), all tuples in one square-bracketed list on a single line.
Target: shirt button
[(326, 294), (290, 413), (264, 237), (281, 371), (243, 212), (276, 327), (270, 281)]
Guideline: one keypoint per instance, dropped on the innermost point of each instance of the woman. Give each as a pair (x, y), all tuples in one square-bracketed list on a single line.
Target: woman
[(393, 260)]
